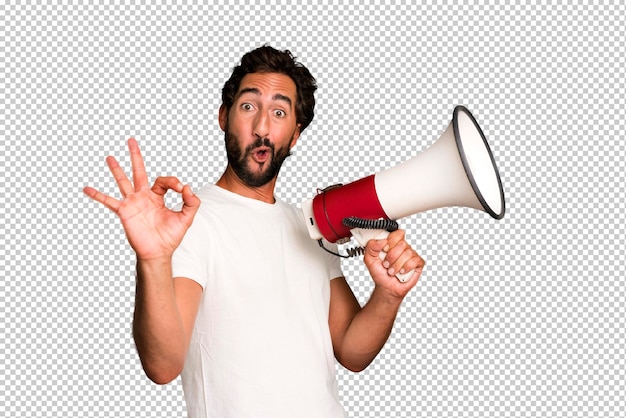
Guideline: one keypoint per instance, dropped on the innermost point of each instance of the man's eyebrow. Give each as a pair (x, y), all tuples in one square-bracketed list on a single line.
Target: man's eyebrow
[(283, 98), (249, 90), (254, 90)]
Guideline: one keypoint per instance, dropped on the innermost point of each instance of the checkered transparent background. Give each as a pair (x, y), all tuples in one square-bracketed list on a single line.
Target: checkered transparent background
[(521, 317)]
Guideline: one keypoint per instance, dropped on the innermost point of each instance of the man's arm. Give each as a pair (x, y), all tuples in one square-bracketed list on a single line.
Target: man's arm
[(165, 312), (358, 334), (165, 308)]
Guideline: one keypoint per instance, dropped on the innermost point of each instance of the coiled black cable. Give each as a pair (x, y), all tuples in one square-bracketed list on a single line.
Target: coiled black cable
[(351, 222), (388, 225)]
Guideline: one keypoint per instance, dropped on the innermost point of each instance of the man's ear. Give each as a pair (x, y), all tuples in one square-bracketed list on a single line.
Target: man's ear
[(223, 117)]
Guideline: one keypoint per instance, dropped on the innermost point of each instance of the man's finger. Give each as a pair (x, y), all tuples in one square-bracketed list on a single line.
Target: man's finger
[(140, 176), (120, 177), (374, 247), (108, 201), (395, 237), (163, 184), (191, 203), (407, 261)]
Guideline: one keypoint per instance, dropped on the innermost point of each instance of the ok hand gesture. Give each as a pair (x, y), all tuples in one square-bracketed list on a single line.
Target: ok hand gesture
[(153, 230)]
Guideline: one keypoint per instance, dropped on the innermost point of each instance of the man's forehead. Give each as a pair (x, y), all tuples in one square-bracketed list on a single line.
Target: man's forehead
[(268, 83)]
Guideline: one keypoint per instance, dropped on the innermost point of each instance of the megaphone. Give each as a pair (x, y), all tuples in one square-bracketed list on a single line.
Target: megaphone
[(457, 170)]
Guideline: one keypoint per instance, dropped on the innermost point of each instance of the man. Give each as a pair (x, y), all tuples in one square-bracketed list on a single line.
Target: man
[(232, 294)]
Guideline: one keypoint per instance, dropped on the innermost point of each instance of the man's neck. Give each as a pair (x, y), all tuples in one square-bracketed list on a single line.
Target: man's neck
[(229, 181)]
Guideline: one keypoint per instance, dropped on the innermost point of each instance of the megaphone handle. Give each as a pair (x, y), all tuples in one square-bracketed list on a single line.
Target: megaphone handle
[(364, 235)]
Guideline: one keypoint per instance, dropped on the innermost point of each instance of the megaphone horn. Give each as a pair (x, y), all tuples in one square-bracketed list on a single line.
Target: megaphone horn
[(457, 170)]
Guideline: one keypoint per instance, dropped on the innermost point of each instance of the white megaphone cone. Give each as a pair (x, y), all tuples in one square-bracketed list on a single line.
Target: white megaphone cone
[(457, 170)]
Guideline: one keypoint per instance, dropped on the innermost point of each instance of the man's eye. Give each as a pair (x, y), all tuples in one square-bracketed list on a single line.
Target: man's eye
[(246, 106), (280, 113)]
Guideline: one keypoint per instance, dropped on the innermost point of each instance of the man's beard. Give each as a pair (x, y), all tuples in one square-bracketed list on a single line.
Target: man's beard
[(240, 161)]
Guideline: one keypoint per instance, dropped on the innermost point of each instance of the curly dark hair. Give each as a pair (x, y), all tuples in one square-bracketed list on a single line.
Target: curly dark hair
[(270, 60)]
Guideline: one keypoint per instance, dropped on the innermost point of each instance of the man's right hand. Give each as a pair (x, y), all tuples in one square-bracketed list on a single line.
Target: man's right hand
[(153, 230)]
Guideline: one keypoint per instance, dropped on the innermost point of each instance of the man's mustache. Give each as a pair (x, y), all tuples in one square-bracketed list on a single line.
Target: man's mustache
[(260, 142)]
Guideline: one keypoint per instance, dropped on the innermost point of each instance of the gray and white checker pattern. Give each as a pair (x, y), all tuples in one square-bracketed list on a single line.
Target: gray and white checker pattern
[(522, 317)]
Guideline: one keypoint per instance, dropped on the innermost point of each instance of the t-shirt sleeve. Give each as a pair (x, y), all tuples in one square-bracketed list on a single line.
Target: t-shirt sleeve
[(190, 258), (334, 262)]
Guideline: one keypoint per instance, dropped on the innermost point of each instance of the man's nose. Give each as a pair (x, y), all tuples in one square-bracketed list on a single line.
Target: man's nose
[(262, 125)]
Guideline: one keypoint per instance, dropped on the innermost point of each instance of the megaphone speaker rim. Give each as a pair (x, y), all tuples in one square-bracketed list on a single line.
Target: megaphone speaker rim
[(467, 166)]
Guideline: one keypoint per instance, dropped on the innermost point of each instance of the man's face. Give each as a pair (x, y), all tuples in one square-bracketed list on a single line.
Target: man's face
[(260, 127)]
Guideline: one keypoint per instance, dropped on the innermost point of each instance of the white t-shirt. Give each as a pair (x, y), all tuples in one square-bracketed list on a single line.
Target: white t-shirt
[(261, 344)]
